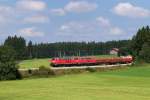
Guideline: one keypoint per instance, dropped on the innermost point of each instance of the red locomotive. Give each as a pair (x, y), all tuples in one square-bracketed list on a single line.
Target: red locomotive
[(79, 61)]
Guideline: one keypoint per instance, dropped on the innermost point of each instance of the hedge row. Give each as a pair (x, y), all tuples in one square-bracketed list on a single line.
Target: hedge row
[(42, 71)]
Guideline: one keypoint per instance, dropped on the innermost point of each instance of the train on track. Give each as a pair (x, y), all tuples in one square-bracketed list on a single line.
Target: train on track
[(82, 61)]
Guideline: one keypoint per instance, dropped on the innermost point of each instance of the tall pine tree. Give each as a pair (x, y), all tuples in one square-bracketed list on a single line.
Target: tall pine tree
[(18, 44)]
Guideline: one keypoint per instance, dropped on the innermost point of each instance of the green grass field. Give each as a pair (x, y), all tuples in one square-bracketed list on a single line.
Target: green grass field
[(36, 63), (105, 56), (127, 84)]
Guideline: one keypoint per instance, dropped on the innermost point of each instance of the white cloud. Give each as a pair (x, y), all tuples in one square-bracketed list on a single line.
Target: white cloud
[(129, 10), (31, 5), (103, 21), (74, 28), (75, 7), (58, 11), (30, 32), (70, 27), (80, 6), (116, 31), (100, 27), (36, 19), (64, 27), (108, 27)]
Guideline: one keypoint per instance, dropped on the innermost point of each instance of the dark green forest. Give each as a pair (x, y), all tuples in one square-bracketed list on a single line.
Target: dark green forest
[(60, 49), (141, 44)]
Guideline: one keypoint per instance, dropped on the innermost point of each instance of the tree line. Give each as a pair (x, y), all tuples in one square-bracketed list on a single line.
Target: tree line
[(60, 49)]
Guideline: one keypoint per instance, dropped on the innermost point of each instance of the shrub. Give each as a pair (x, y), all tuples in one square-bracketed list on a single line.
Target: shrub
[(45, 71), (8, 71), (91, 69), (144, 53), (8, 68)]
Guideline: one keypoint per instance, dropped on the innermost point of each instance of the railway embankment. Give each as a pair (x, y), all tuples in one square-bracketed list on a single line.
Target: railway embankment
[(55, 71)]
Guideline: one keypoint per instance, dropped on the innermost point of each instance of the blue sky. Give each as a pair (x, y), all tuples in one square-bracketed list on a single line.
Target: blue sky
[(72, 20)]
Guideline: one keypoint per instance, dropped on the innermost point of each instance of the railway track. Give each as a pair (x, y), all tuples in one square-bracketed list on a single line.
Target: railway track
[(96, 66)]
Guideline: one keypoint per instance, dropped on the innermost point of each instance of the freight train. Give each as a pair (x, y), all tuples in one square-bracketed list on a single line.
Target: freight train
[(81, 61)]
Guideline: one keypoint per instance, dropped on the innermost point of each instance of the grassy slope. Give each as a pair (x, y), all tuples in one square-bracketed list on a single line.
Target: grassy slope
[(34, 63), (127, 84)]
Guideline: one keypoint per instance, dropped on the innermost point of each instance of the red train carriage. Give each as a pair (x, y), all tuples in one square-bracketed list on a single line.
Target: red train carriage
[(72, 61), (78, 61)]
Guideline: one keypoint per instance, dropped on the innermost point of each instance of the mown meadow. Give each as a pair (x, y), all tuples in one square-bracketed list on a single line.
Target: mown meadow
[(34, 63), (131, 83)]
